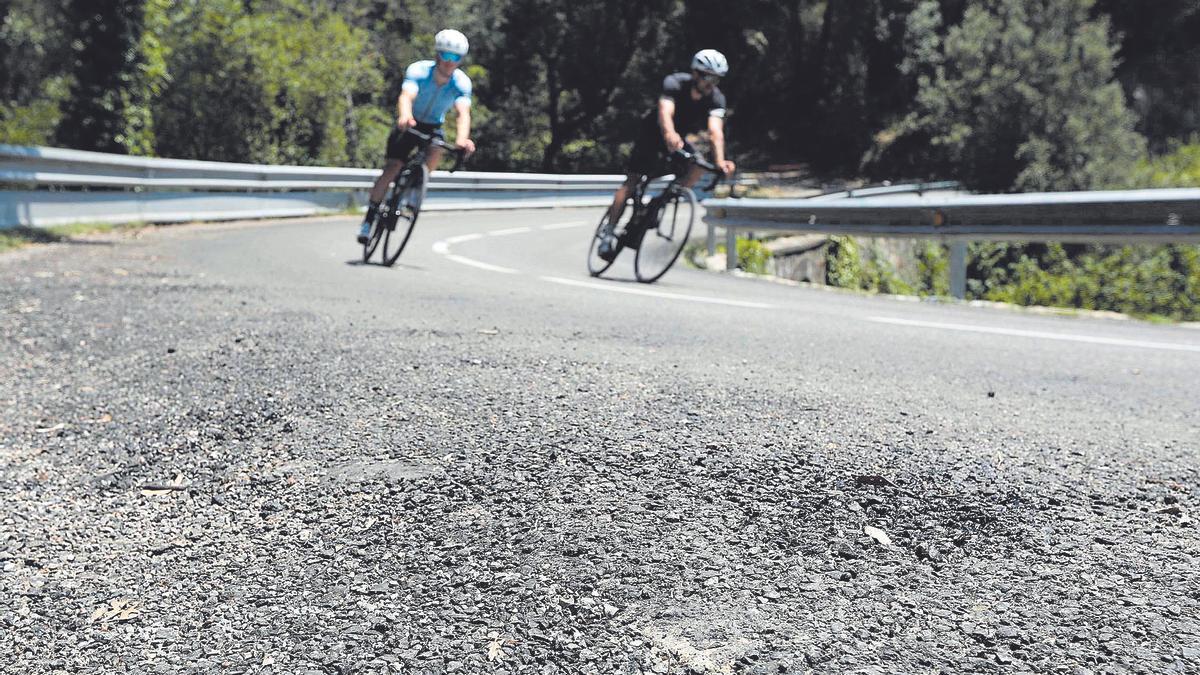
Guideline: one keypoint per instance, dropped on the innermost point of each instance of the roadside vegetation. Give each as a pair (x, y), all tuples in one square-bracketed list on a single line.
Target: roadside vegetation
[(17, 237)]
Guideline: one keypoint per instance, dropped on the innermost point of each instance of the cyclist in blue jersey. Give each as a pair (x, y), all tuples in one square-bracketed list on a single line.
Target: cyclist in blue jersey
[(689, 103), (430, 89)]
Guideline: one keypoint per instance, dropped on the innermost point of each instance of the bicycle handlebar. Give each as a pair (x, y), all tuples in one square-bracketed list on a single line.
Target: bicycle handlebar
[(460, 154), (695, 158)]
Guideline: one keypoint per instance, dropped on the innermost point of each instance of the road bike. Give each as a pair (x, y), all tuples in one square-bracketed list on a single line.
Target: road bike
[(656, 229), (397, 213)]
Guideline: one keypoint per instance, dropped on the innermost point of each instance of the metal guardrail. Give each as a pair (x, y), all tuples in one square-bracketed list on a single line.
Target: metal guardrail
[(887, 190), (52, 186), (1132, 216)]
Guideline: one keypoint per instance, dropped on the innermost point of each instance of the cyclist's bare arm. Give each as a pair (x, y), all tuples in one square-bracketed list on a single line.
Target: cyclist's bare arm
[(462, 130), (716, 133), (666, 122), (404, 106)]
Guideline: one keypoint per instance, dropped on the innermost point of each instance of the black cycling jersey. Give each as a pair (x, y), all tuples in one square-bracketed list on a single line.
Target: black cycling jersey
[(691, 115)]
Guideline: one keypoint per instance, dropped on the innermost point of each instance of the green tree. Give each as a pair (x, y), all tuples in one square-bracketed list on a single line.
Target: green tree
[(574, 77), (105, 38), (33, 83), (1157, 65), (1022, 97), (274, 86)]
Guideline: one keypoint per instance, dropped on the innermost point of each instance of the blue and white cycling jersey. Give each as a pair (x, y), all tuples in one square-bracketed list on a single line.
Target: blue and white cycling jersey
[(433, 101)]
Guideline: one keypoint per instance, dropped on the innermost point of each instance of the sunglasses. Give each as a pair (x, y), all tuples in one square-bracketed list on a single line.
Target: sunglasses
[(450, 56), (709, 78)]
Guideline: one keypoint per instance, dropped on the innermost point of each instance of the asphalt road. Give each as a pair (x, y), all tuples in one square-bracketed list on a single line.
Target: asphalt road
[(233, 448)]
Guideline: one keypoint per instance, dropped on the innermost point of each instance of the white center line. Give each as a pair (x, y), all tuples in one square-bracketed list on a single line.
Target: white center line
[(463, 237), (563, 226), (614, 288), (511, 230), (480, 265), (1042, 335)]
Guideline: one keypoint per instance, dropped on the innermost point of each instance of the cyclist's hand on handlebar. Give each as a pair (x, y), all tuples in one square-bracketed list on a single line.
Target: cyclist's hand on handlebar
[(406, 122), (674, 141), (466, 145), (727, 166)]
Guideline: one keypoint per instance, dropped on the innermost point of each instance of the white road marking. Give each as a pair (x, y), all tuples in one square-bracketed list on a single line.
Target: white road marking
[(563, 226), (511, 230), (615, 288), (1042, 335), (442, 247), (480, 265)]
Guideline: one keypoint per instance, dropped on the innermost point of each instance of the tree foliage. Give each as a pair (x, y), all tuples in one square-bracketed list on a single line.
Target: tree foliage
[(1003, 94), (32, 85), (1021, 96), (277, 85), (105, 36)]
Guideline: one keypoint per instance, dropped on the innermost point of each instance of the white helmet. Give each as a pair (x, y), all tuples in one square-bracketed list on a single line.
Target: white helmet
[(451, 41), (710, 61)]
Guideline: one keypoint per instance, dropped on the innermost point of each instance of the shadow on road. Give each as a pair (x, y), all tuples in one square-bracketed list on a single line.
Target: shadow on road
[(17, 236), (357, 262)]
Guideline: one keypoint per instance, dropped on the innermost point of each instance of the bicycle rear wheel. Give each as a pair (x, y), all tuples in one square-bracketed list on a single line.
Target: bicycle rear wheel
[(664, 239), (410, 189), (596, 264)]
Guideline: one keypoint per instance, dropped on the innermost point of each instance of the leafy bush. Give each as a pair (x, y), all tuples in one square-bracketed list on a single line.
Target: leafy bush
[(843, 263), (1180, 168), (933, 268), (31, 124), (753, 256), (1138, 280), (863, 264)]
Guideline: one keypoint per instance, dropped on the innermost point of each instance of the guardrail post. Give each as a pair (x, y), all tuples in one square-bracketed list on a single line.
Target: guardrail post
[(958, 269), (731, 260), (712, 238)]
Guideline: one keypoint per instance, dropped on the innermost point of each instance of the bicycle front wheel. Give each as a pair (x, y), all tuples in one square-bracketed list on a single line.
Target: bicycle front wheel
[(378, 225), (596, 264), (410, 190), (664, 239)]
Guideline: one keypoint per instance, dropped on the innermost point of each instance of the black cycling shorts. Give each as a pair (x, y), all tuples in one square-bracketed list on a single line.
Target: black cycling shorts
[(400, 144), (649, 155)]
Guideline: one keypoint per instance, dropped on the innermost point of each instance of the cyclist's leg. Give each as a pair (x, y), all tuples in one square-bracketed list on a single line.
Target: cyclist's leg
[(645, 159), (693, 177), (399, 144), (694, 173), (433, 157), (433, 154), (621, 196), (390, 170)]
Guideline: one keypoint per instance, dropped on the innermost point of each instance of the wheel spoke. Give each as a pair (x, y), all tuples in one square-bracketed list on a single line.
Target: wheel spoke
[(658, 253), (410, 189)]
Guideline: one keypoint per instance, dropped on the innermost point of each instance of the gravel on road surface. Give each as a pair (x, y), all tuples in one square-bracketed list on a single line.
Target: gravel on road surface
[(323, 468)]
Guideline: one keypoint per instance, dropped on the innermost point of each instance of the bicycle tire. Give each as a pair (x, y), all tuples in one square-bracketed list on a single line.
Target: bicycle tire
[(375, 235), (596, 264), (661, 244), (409, 196)]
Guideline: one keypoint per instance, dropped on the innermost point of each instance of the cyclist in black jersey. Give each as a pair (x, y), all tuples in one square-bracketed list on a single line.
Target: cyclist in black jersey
[(688, 104)]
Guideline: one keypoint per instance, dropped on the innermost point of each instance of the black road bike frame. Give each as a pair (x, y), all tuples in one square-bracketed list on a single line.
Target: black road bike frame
[(642, 210), (412, 180)]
